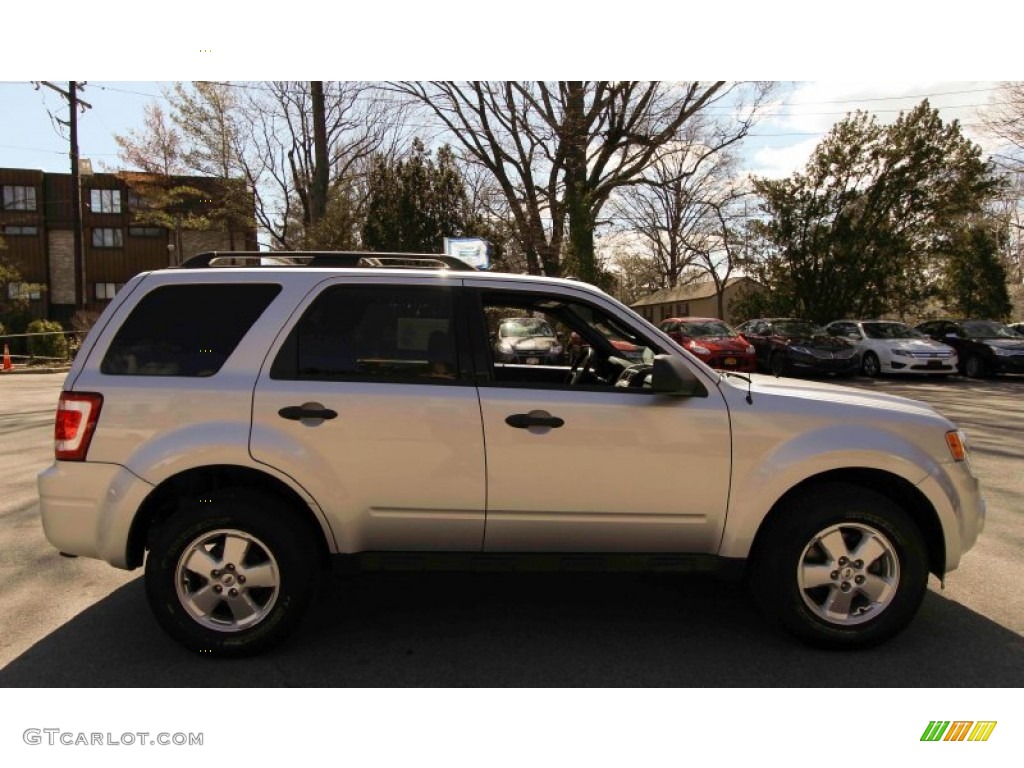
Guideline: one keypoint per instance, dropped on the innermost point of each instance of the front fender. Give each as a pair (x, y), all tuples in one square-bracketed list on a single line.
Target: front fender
[(760, 479)]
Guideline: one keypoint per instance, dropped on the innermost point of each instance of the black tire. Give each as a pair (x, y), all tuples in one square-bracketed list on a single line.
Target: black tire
[(276, 548), (870, 366), (975, 367), (777, 363), (791, 559)]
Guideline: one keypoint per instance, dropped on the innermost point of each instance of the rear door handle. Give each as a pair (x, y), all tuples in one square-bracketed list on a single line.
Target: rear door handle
[(306, 411), (534, 419)]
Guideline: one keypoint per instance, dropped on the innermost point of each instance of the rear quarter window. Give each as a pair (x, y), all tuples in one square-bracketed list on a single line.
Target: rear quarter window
[(186, 330)]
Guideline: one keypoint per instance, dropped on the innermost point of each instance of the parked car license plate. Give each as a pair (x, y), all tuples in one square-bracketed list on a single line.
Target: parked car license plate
[(729, 361), (533, 361)]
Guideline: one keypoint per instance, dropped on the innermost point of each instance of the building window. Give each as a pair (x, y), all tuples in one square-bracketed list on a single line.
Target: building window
[(20, 230), (107, 291), (107, 237), (17, 198), (23, 291), (146, 231), (105, 200)]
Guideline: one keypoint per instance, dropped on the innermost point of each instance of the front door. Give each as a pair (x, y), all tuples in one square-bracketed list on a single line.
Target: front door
[(578, 464)]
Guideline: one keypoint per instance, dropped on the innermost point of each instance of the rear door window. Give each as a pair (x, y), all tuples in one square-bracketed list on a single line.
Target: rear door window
[(374, 333), (186, 330)]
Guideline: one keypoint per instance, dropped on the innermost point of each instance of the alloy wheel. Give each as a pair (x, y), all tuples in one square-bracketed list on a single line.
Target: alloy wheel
[(227, 580), (848, 574)]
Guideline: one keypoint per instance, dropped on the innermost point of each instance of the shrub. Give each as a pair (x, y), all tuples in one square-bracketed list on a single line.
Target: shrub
[(47, 346)]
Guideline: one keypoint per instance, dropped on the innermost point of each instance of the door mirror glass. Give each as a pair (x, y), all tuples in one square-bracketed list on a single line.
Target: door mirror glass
[(671, 376)]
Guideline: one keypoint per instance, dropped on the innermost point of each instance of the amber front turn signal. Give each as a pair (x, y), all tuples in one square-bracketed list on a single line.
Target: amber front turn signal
[(956, 445)]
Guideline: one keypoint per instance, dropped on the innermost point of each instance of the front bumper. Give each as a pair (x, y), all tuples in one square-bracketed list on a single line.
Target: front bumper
[(824, 364), (88, 507), (1008, 363), (933, 366)]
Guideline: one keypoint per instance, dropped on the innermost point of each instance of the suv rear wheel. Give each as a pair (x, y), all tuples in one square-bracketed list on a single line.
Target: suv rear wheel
[(228, 575), (843, 567)]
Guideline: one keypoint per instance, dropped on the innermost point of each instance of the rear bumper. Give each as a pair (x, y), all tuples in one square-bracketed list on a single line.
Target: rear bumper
[(87, 508)]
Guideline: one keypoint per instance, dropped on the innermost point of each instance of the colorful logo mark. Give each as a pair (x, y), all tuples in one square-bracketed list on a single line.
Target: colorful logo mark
[(959, 730)]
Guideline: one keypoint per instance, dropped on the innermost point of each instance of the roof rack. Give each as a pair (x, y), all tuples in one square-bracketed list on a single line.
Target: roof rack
[(350, 259)]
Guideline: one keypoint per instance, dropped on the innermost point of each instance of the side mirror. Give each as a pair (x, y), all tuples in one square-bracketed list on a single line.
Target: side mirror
[(671, 376), (952, 336)]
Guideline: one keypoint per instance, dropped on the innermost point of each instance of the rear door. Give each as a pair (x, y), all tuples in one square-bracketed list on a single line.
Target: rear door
[(366, 401)]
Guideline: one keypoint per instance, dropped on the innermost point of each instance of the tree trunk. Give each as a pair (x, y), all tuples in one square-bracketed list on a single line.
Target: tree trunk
[(578, 207), (318, 193)]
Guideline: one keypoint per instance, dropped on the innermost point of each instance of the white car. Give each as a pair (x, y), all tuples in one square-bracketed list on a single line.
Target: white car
[(887, 346), (233, 428)]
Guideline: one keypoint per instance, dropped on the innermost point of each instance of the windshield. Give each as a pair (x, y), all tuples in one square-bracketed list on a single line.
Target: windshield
[(707, 329), (891, 331), (524, 328), (985, 329), (797, 328)]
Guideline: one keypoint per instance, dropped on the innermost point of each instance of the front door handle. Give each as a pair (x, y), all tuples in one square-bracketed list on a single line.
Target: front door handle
[(534, 419), (306, 411)]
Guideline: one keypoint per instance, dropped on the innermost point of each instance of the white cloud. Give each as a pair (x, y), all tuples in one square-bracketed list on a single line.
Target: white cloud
[(783, 141), (779, 162)]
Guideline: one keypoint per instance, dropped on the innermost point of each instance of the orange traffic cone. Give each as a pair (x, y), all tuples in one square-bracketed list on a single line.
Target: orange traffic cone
[(7, 359)]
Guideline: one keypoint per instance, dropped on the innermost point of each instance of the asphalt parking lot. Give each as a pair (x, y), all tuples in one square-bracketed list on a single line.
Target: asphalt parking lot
[(77, 622)]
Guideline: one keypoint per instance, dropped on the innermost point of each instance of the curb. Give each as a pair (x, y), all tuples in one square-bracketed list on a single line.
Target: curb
[(34, 370)]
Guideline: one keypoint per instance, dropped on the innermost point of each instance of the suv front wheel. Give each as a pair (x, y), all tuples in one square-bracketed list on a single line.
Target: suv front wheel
[(841, 567), (228, 575)]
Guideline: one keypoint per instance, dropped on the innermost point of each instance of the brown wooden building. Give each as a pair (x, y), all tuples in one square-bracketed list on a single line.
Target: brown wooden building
[(128, 226), (699, 299)]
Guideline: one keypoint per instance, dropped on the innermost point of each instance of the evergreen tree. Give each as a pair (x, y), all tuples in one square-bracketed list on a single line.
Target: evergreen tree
[(416, 201), (859, 231), (974, 280)]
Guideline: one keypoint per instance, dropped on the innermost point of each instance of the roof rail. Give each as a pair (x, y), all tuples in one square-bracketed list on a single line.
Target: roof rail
[(351, 259)]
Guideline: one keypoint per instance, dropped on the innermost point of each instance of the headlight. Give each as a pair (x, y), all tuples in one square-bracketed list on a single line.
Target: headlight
[(555, 349), (846, 353), (1003, 352), (751, 350), (801, 350), (902, 353), (505, 347), (698, 349)]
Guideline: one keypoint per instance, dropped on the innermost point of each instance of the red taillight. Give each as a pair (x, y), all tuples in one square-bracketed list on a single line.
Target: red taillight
[(77, 414)]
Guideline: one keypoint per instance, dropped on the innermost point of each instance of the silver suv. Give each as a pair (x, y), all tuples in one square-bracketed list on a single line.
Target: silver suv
[(233, 427)]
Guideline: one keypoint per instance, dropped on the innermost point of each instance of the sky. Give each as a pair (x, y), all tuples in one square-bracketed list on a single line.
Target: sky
[(781, 143), (882, 56)]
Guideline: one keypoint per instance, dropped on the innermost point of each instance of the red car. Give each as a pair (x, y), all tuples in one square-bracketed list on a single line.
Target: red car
[(713, 342)]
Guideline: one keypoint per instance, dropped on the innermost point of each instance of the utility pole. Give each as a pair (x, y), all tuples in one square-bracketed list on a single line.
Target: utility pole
[(71, 94)]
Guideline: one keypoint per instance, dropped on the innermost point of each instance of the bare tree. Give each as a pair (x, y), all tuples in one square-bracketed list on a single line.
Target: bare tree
[(1003, 118), (158, 148), (689, 216), (283, 161), (558, 151)]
